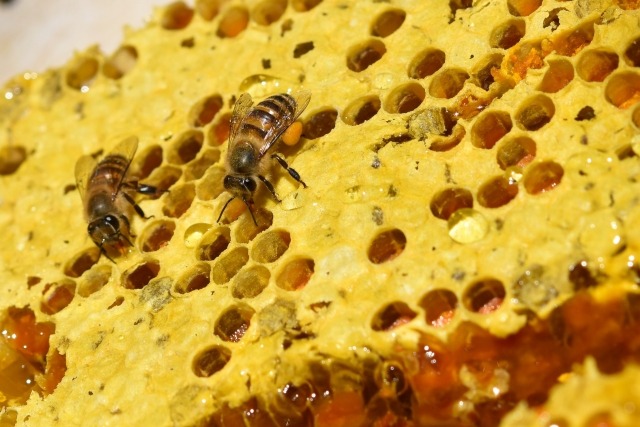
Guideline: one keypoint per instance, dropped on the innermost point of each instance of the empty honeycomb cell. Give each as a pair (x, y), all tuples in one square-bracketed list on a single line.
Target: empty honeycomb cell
[(439, 307), (227, 266), (233, 323), (179, 200), (94, 280), (81, 73), (164, 177), (573, 41), (205, 110), (82, 262), (219, 132), (147, 161), (11, 157), (320, 123), (268, 11), (507, 34), (247, 230), (467, 226), (542, 177), (193, 234), (363, 55), (234, 21), (139, 276), (404, 98), (632, 53), (388, 22), (56, 296), (304, 5), (497, 192), (157, 235), (207, 9), (426, 63), (213, 243), (121, 62), (523, 7), (535, 112), (518, 151), (484, 296), (392, 316), (386, 246), (361, 110), (295, 274), (270, 246), (623, 89), (444, 203), (483, 71), (595, 65), (489, 128), (176, 16), (447, 143), (210, 360), (211, 184), (196, 278), (186, 147), (448, 83), (197, 168), (250, 282), (559, 74), (581, 277)]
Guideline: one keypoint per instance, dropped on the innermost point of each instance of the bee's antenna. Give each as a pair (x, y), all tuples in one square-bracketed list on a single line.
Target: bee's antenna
[(225, 207)]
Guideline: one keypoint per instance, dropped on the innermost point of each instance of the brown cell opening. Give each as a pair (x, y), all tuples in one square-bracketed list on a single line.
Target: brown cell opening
[(387, 246), (439, 306), (227, 266), (210, 361), (302, 49), (632, 53), (233, 323), (82, 73), (542, 177), (213, 243), (570, 42), (207, 9), (404, 98), (388, 22), (176, 16), (11, 157), (535, 112), (581, 277), (426, 63), (623, 89), (518, 151), (205, 110), (507, 34), (448, 83), (304, 5), (270, 246), (250, 282), (268, 11), (247, 230), (179, 200), (320, 123), (484, 296), (363, 55), (234, 21), (559, 74), (121, 62), (446, 202), (82, 262), (197, 168), (489, 128), (523, 7), (392, 316), (497, 192), (186, 147), (57, 295), (295, 274), (139, 276), (211, 184), (483, 73), (596, 65), (361, 110), (552, 20), (147, 161), (157, 235), (94, 280), (196, 278), (164, 177), (219, 132)]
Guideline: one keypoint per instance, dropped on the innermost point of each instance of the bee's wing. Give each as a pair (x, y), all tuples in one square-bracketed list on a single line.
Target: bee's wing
[(84, 170), (240, 109), (126, 149), (283, 121)]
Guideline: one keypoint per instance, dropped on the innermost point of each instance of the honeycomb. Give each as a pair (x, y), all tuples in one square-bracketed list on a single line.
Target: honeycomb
[(464, 253)]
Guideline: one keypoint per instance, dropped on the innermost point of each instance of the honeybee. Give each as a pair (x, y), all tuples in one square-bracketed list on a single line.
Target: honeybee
[(254, 131), (106, 195)]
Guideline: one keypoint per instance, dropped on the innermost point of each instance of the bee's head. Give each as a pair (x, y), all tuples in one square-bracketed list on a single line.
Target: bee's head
[(240, 186), (108, 229)]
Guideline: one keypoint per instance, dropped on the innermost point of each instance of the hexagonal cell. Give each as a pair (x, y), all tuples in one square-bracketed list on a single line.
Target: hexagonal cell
[(210, 360), (186, 147), (559, 74), (426, 63), (632, 53), (295, 274), (197, 168), (386, 246), (81, 73), (518, 151), (484, 296), (320, 123), (483, 69), (489, 128), (267, 12), (205, 110), (595, 65), (623, 89), (179, 200), (227, 266), (213, 243), (361, 110), (542, 177), (233, 323), (94, 280), (392, 316), (164, 177), (445, 202), (11, 157), (507, 34), (211, 184), (247, 230), (467, 226), (523, 7), (121, 62), (157, 235), (388, 22), (57, 295), (219, 132), (176, 16), (448, 83), (304, 5), (270, 246), (535, 112), (207, 9), (139, 276), (439, 306), (250, 282), (404, 98), (193, 234), (196, 278), (147, 161), (234, 21), (570, 42), (82, 262), (363, 55), (496, 192)]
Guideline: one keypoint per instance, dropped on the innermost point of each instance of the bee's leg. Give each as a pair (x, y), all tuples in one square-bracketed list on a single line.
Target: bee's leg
[(104, 252), (149, 190), (250, 211), (295, 175), (224, 207), (269, 186), (136, 206)]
